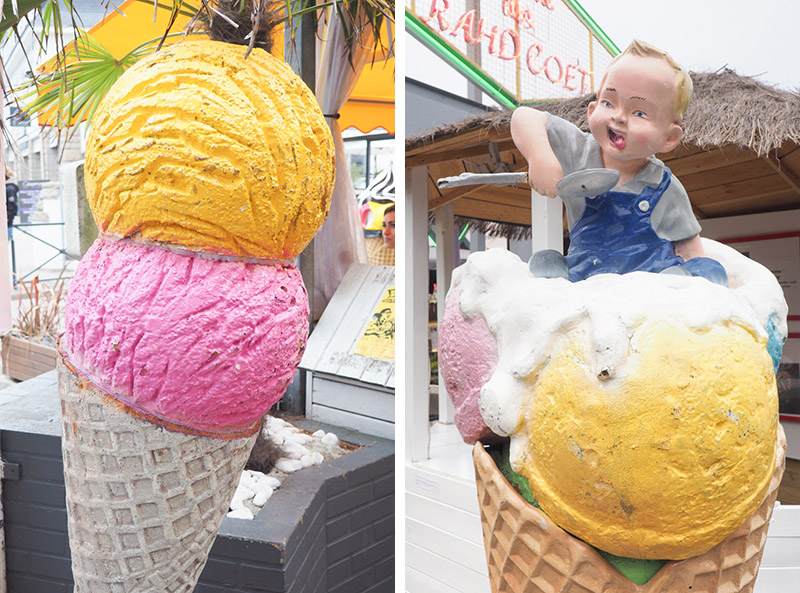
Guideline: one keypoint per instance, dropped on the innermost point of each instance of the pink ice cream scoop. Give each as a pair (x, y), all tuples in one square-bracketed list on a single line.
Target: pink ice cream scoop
[(467, 357), (208, 345)]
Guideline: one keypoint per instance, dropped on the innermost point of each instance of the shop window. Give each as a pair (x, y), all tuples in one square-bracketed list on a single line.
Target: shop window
[(368, 156)]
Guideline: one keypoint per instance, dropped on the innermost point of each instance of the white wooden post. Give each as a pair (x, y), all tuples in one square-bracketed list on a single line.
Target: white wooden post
[(447, 257), (416, 371), (547, 223), (477, 241)]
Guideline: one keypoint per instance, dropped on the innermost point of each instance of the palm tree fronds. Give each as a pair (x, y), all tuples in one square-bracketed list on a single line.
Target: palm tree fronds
[(69, 89), (67, 93)]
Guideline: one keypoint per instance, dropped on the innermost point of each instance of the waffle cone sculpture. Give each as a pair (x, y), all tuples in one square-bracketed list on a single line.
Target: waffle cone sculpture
[(641, 410), (207, 173), (144, 502), (527, 553)]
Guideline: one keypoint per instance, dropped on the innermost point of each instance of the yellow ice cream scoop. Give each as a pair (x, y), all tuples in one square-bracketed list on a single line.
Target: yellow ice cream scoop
[(201, 148), (663, 457)]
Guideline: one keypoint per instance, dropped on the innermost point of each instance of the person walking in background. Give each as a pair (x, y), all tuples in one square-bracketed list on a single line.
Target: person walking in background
[(12, 202)]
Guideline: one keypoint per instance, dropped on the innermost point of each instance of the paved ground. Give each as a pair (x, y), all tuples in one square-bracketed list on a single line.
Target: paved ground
[(6, 381)]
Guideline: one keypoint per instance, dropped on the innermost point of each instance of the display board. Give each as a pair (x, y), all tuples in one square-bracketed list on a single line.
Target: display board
[(349, 359)]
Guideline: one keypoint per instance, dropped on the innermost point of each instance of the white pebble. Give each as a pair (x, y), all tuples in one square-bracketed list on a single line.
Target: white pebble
[(302, 438), (330, 439), (295, 451), (318, 434), (317, 457), (247, 480), (307, 460), (283, 434), (262, 496), (256, 475), (279, 438), (288, 465), (236, 504), (295, 439), (274, 423), (271, 482), (242, 493), (242, 513)]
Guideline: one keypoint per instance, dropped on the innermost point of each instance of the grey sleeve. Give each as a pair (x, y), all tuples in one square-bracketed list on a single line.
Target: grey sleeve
[(575, 151), (573, 148), (672, 218)]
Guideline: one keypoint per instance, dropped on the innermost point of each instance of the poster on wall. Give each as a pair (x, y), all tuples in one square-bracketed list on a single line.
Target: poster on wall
[(781, 254), (377, 339), (788, 378)]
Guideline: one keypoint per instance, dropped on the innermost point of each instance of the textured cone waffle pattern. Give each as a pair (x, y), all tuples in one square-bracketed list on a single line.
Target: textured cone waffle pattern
[(144, 503), (527, 553)]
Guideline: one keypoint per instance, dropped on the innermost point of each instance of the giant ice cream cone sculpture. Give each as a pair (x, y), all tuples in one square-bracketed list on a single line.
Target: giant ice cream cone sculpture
[(528, 553), (207, 174), (641, 409)]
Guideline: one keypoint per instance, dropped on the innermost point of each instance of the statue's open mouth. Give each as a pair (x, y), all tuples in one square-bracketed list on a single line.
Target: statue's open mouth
[(617, 140)]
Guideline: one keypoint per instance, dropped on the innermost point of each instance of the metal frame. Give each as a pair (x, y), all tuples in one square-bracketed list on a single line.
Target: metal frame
[(369, 138), (59, 250)]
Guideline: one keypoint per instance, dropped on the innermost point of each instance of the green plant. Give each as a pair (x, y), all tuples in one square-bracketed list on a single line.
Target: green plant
[(39, 317)]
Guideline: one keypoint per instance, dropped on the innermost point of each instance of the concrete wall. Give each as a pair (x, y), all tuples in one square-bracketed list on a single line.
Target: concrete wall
[(329, 528)]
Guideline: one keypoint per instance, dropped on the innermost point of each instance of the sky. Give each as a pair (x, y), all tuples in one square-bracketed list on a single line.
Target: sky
[(758, 38), (755, 38)]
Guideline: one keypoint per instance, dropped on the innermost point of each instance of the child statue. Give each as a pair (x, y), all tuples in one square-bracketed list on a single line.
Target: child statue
[(646, 222)]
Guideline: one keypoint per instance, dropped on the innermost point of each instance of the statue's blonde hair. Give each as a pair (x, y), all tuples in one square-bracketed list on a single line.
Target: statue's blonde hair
[(683, 82)]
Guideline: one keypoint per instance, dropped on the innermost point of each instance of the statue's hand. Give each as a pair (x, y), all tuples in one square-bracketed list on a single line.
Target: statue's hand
[(543, 175)]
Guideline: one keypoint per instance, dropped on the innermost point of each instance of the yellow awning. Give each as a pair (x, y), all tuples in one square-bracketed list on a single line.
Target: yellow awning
[(120, 33), (371, 104)]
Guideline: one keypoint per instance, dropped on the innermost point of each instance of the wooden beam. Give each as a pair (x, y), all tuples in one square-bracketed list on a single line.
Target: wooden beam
[(699, 213), (747, 170), (707, 161), (777, 200), (476, 136), (788, 148), (753, 189), (739, 206), (433, 157), (451, 195), (469, 208), (777, 164)]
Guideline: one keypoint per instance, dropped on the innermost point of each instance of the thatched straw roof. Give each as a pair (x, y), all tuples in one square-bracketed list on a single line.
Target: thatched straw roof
[(726, 109), (740, 151)]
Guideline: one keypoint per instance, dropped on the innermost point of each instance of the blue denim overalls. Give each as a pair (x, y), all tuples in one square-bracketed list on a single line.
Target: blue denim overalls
[(614, 235)]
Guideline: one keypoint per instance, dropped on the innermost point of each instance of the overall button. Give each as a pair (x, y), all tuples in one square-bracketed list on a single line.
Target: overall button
[(644, 205)]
